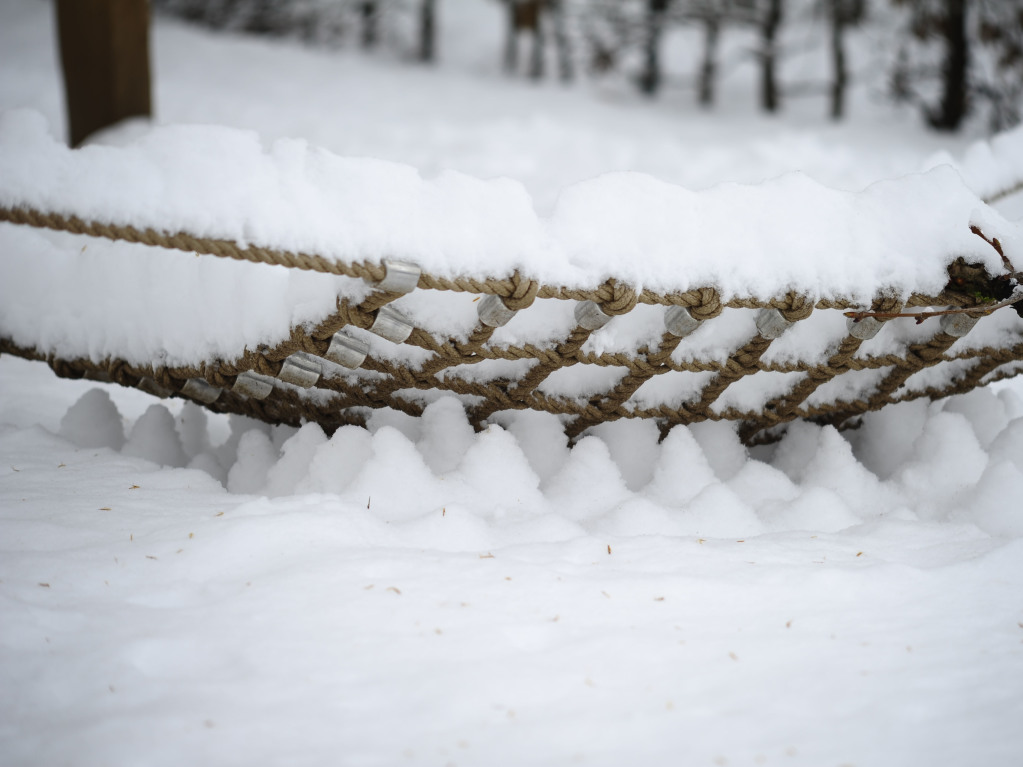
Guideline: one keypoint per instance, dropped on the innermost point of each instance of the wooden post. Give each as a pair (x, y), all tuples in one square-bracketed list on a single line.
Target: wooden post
[(104, 52)]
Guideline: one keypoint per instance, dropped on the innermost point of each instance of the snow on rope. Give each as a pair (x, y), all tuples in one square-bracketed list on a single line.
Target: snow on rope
[(644, 300)]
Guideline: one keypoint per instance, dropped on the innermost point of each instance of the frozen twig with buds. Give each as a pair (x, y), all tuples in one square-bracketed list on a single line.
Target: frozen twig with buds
[(1015, 297), (1007, 291), (994, 243)]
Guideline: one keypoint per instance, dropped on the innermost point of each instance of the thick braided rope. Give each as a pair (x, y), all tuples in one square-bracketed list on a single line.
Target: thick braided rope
[(349, 399), (517, 291)]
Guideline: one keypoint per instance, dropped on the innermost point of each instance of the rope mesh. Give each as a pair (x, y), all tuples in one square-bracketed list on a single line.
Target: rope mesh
[(324, 374)]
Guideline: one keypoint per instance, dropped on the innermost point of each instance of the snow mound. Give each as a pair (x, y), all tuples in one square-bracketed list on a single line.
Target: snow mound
[(434, 481)]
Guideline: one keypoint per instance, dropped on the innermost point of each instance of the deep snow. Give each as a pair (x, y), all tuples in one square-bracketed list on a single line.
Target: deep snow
[(422, 594), (182, 587)]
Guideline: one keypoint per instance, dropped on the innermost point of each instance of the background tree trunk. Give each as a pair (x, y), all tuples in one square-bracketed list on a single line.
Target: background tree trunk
[(769, 99), (427, 30), (511, 40), (524, 16), (953, 106), (534, 10), (369, 10), (650, 78), (104, 52), (708, 68), (840, 74), (566, 71)]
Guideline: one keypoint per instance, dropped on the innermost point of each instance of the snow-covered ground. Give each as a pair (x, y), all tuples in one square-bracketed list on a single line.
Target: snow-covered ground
[(178, 587)]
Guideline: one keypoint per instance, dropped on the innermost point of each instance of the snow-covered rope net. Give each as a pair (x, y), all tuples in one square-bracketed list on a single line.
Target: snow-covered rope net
[(633, 299)]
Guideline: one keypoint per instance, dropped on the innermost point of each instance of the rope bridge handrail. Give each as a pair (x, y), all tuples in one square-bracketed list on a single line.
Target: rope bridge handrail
[(376, 272), (326, 372)]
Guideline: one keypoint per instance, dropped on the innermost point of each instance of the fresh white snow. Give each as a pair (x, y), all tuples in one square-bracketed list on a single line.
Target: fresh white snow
[(180, 587), (747, 240)]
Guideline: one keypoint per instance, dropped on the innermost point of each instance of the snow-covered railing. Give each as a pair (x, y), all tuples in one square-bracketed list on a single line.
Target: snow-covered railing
[(644, 300)]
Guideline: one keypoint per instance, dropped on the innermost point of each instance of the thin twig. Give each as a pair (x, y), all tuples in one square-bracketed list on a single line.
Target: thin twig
[(1017, 295), (994, 243)]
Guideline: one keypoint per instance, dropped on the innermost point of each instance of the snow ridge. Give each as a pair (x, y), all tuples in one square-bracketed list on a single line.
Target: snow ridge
[(789, 233)]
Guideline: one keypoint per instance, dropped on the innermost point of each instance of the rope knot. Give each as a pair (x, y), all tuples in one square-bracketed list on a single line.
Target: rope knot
[(703, 303), (796, 307), (623, 299), (523, 293), (886, 304), (64, 369), (121, 373), (353, 315)]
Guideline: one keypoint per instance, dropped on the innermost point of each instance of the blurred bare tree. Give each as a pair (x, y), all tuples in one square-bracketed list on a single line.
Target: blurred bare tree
[(959, 54), (540, 22), (999, 72), (953, 56), (320, 21), (841, 14)]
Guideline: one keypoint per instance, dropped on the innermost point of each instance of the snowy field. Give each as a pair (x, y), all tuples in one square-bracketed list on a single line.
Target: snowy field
[(178, 587)]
